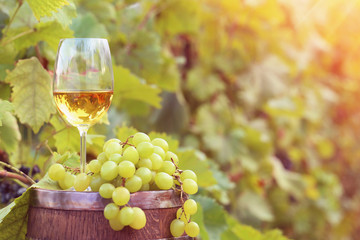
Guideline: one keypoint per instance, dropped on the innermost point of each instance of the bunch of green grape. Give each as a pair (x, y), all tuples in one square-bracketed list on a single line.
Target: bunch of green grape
[(138, 164)]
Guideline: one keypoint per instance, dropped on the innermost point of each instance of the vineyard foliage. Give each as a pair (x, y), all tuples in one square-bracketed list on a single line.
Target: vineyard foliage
[(260, 96)]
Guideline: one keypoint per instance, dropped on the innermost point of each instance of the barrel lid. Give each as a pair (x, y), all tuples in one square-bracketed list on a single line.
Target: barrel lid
[(92, 201)]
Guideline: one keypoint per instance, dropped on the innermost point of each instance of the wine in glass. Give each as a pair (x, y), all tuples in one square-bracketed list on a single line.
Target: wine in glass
[(83, 84)]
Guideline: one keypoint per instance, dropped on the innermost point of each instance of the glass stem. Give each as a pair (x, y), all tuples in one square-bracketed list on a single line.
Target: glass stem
[(83, 132)]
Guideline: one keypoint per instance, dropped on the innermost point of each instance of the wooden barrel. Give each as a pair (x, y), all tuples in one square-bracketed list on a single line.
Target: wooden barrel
[(79, 215)]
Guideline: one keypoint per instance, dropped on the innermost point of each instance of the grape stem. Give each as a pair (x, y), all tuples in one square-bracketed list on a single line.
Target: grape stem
[(5, 173), (72, 170), (127, 142)]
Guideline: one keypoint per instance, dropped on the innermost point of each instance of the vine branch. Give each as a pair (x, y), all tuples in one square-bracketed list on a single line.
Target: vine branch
[(21, 174)]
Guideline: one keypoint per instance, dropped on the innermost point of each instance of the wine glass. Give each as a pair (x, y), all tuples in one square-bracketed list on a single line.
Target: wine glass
[(83, 84)]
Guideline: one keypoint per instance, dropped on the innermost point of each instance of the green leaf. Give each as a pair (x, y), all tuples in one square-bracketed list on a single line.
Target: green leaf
[(47, 183), (87, 25), (124, 132), (255, 205), (7, 54), (9, 133), (43, 8), (31, 94), (50, 32), (197, 162), (67, 138), (64, 16), (67, 159), (5, 106), (199, 219), (214, 218), (14, 224), (128, 86)]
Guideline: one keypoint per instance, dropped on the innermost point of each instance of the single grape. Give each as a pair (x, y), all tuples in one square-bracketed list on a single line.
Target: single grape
[(111, 210), (82, 182), (177, 227), (133, 184), (113, 140), (139, 219), (160, 143), (145, 187), (116, 158), (131, 154), (94, 166), (159, 151), (170, 155), (153, 175), (112, 148), (190, 186), (168, 167), (145, 162), (121, 196), (106, 190), (139, 138), (126, 169), (96, 182), (188, 174), (109, 170), (144, 173), (56, 172), (127, 215), (145, 149), (156, 161), (115, 223), (68, 181), (164, 181), (190, 207), (102, 158), (182, 216), (192, 229)]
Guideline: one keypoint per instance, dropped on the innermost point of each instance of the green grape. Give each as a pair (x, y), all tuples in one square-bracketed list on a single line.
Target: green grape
[(144, 173), (115, 223), (159, 151), (182, 216), (170, 155), (168, 167), (106, 190), (112, 148), (111, 210), (139, 138), (190, 186), (156, 161), (160, 143), (131, 154), (109, 170), (94, 166), (82, 182), (145, 162), (164, 181), (133, 184), (192, 229), (145, 149), (116, 158), (188, 174), (126, 169), (102, 158), (177, 227), (68, 181), (127, 215), (96, 182), (113, 140), (139, 219), (190, 207), (56, 172), (145, 187), (121, 196)]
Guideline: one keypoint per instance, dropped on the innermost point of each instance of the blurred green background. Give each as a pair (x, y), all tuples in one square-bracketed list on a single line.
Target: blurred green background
[(261, 96)]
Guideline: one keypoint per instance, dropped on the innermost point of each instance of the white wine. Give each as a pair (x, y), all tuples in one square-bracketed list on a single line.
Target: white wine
[(83, 107)]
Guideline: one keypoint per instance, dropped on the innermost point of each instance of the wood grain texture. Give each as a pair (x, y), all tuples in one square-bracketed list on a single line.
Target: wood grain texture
[(59, 224)]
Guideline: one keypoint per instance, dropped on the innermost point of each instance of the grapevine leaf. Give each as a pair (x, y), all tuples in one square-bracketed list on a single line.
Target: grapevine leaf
[(5, 211), (43, 8), (197, 162), (256, 206), (214, 217), (274, 235), (31, 94), (64, 16), (128, 86), (67, 137), (50, 32), (47, 183), (9, 133), (5, 106), (14, 224), (88, 26), (199, 219), (7, 54), (67, 159), (124, 132)]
